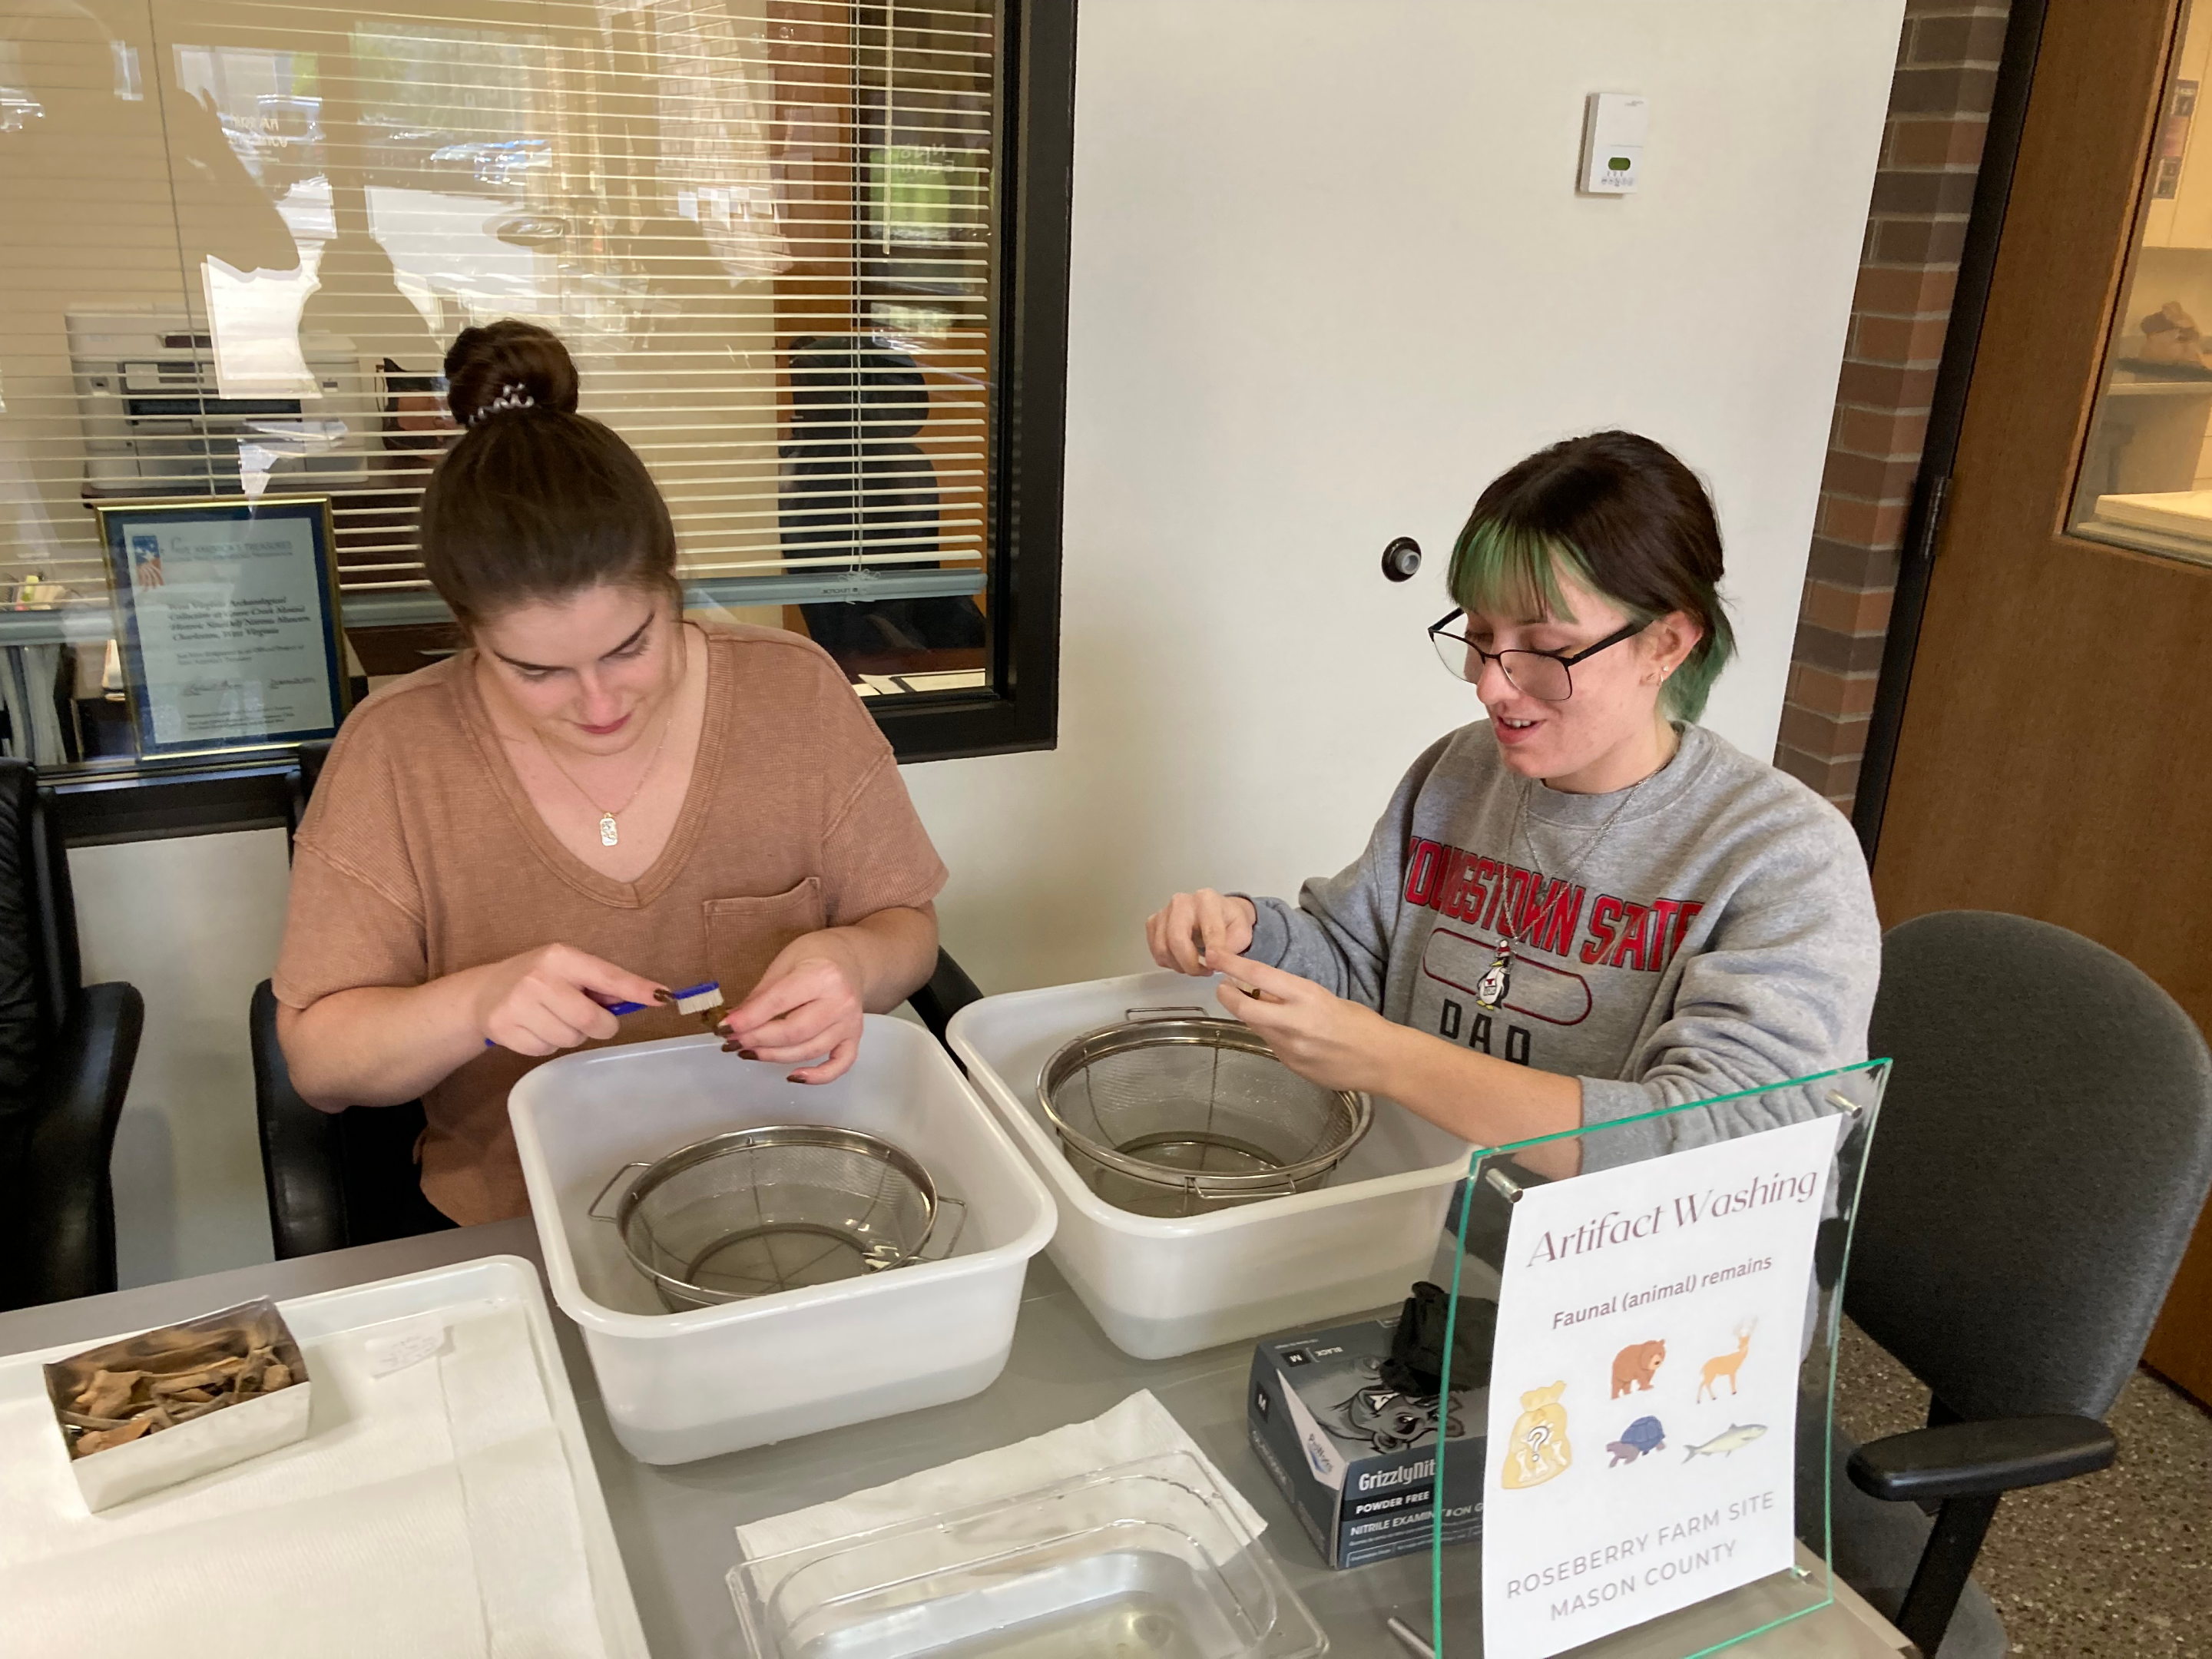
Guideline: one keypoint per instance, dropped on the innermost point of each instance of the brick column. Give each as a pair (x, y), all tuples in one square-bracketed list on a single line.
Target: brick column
[(1939, 104)]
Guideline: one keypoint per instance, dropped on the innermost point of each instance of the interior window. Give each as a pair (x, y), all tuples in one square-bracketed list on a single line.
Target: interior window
[(236, 237), (2146, 478)]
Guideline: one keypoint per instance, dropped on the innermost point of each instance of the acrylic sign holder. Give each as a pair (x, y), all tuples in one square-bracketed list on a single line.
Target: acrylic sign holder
[(1613, 1423)]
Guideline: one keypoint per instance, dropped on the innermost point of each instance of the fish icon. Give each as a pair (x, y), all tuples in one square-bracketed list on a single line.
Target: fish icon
[(1735, 1437)]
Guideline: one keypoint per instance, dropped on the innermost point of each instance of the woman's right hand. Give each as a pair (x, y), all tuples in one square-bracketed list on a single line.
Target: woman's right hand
[(554, 997), (1222, 925)]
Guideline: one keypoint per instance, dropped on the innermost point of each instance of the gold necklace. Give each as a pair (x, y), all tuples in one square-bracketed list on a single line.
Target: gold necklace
[(610, 832)]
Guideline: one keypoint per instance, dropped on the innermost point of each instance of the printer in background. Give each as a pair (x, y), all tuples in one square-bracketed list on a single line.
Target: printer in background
[(156, 424)]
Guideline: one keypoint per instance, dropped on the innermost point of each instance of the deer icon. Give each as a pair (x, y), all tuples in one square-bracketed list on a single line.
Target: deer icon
[(1726, 1364)]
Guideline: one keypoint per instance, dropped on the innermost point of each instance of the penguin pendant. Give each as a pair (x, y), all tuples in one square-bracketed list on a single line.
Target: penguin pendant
[(1490, 990)]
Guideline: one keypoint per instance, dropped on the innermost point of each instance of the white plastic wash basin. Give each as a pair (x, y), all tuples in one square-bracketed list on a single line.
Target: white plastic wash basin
[(681, 1386), (1161, 1286)]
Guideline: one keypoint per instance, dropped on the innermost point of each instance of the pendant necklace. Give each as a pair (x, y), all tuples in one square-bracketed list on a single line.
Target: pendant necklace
[(1490, 990), (609, 831)]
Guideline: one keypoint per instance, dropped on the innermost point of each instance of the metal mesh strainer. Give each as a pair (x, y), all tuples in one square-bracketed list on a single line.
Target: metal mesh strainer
[(777, 1208), (1174, 1113)]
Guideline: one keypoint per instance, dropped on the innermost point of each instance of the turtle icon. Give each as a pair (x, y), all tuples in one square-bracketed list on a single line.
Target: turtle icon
[(1644, 1434)]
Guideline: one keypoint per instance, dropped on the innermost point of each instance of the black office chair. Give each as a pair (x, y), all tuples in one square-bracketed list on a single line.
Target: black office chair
[(2043, 1153), (949, 991), (66, 1052), (335, 1179)]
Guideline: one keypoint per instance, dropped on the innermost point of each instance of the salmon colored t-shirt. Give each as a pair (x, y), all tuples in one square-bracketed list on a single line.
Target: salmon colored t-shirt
[(421, 855)]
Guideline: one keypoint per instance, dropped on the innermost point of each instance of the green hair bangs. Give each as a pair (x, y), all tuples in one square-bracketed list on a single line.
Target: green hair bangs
[(1509, 570)]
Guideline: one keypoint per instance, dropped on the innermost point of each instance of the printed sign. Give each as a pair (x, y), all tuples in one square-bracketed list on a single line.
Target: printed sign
[(228, 619), (1643, 1395)]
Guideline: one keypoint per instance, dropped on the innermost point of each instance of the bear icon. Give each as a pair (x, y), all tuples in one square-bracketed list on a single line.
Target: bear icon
[(1635, 1365)]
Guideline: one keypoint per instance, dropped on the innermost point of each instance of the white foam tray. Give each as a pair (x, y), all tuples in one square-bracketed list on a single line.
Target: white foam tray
[(1161, 1286), (462, 1290)]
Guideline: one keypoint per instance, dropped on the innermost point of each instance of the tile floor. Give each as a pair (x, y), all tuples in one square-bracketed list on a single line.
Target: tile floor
[(2116, 1566)]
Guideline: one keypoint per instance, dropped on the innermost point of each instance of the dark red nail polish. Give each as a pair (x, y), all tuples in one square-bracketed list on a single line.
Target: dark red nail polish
[(747, 1053), (663, 995), (732, 1049)]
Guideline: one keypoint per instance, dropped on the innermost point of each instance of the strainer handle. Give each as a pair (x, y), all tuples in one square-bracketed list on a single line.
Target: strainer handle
[(1199, 1185), (612, 1181), (927, 1253), (1171, 1010)]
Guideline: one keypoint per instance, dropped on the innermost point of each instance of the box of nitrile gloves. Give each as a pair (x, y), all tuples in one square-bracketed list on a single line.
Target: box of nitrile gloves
[(1356, 1457)]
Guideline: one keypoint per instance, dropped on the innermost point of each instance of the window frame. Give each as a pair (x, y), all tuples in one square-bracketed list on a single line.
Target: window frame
[(1019, 708)]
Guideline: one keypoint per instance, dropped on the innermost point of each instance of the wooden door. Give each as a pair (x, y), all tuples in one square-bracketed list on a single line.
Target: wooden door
[(2055, 757)]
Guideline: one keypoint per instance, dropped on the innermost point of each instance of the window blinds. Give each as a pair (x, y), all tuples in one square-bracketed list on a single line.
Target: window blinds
[(236, 236)]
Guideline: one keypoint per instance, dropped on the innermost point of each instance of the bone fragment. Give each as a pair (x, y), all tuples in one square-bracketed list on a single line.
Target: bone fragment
[(102, 1439), (107, 1393)]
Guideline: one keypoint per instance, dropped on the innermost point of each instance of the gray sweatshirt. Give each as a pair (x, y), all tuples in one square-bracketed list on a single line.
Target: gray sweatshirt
[(1719, 935)]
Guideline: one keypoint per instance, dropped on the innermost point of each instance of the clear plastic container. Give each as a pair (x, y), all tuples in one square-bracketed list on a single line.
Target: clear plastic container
[(681, 1386), (1160, 1286), (1143, 1557)]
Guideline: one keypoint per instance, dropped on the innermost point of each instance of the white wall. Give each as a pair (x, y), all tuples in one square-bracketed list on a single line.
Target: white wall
[(194, 924), (1330, 276)]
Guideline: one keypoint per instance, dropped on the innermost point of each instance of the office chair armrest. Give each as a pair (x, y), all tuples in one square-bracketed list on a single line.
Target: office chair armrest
[(302, 1151), (1968, 1459), (948, 992), (70, 1224)]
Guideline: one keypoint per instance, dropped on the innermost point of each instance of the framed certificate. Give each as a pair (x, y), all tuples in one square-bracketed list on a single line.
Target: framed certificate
[(227, 617)]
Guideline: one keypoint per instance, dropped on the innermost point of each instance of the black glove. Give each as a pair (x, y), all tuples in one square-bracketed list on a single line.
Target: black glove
[(1417, 1348)]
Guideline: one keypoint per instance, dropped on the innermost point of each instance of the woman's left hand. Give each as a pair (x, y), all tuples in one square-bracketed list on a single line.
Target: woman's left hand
[(1317, 1034), (807, 1007)]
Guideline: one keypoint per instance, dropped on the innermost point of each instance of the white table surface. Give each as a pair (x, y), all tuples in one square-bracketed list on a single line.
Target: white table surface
[(674, 1524)]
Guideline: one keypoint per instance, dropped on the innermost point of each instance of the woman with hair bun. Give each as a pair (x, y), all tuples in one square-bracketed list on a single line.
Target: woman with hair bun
[(594, 803), (1588, 907)]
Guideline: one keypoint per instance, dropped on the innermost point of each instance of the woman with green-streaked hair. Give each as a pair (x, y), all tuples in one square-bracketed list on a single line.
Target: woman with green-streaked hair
[(1586, 907)]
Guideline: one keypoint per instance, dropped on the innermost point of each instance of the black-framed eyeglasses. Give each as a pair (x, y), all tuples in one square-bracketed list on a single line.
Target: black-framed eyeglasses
[(1544, 675)]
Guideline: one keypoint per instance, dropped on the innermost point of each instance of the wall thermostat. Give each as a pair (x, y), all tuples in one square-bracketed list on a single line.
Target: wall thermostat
[(1613, 125)]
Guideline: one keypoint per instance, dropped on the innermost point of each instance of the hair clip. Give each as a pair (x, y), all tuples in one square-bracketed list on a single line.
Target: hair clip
[(512, 395)]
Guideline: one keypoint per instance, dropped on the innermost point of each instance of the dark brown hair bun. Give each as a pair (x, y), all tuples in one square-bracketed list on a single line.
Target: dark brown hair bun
[(534, 501), (505, 365)]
